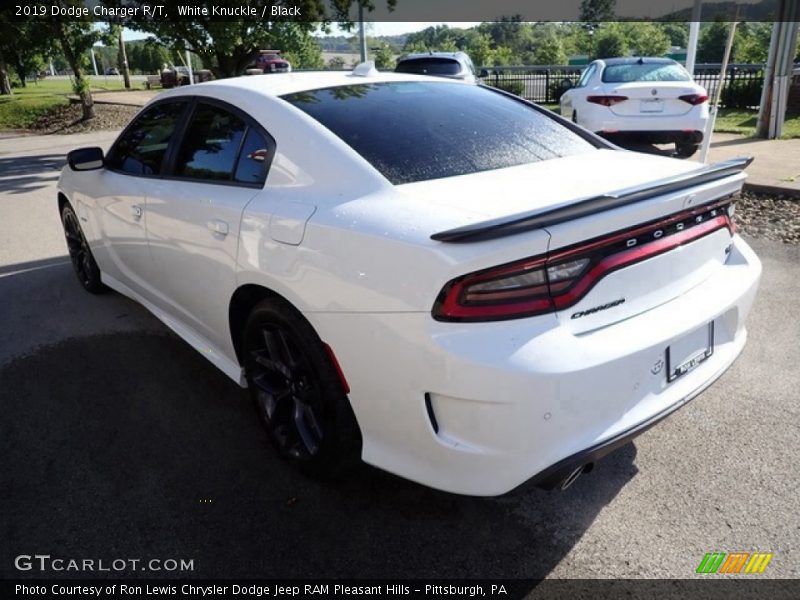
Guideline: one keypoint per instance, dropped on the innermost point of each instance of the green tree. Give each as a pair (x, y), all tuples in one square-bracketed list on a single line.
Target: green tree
[(610, 42), (752, 42), (384, 57), (594, 12), (678, 33), (711, 45), (75, 38), (480, 50), (229, 47), (647, 39), (549, 51), (22, 45)]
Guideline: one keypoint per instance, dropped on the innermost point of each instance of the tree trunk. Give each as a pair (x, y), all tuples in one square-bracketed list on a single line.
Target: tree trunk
[(81, 85), (20, 69), (5, 82), (126, 74)]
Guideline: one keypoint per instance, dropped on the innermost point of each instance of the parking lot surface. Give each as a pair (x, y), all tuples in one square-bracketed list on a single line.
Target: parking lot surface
[(119, 440)]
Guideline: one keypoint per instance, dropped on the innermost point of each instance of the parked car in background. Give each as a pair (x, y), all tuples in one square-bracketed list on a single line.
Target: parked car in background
[(177, 76), (454, 284), (651, 100), (455, 65), (271, 61), (112, 71)]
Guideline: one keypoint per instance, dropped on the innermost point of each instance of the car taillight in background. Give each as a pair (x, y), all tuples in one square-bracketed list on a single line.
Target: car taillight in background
[(694, 99), (543, 284), (606, 100)]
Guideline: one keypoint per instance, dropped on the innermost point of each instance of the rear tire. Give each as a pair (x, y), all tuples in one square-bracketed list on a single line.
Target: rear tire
[(297, 393), (80, 254), (684, 150)]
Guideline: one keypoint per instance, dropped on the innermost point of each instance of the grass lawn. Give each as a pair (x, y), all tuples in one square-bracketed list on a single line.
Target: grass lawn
[(27, 104), (744, 123)]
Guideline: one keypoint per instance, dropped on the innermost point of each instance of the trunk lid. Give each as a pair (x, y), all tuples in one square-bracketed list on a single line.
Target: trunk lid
[(652, 98), (687, 255)]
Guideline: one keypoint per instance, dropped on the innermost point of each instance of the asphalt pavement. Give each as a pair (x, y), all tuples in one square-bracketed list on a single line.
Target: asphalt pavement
[(120, 441)]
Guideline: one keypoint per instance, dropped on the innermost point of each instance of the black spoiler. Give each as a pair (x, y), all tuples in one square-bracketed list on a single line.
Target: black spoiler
[(536, 219)]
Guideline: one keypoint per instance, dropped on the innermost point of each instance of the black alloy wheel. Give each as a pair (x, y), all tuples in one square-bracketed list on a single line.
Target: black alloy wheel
[(80, 254), (297, 392)]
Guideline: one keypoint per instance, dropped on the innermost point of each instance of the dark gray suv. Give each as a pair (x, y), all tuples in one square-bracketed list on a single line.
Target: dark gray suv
[(457, 65)]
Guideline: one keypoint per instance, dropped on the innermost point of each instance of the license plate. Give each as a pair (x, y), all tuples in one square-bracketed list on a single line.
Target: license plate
[(689, 352), (653, 105)]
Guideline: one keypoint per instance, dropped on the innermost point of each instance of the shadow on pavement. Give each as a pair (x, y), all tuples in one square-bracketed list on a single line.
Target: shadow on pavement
[(23, 174), (131, 445)]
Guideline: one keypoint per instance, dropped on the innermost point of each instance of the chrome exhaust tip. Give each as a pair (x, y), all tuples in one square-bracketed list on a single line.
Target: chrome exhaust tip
[(572, 477)]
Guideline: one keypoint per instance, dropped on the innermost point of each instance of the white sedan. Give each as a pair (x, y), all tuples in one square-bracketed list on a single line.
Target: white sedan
[(440, 278), (652, 100)]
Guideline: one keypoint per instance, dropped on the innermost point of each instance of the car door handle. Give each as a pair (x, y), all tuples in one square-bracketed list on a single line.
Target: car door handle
[(136, 211), (218, 226)]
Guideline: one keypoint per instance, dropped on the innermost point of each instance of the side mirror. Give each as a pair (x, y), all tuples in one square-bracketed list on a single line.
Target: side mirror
[(484, 73), (566, 83), (85, 159)]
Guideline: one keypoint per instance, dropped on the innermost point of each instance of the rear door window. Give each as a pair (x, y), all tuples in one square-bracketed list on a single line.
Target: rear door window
[(210, 145)]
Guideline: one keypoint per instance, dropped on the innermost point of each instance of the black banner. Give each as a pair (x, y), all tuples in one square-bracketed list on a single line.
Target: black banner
[(398, 10), (712, 588)]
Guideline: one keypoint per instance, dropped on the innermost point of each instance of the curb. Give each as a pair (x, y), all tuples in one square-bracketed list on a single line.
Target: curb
[(773, 190)]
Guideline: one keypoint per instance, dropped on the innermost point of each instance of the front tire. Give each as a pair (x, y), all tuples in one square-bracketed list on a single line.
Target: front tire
[(80, 254), (297, 392)]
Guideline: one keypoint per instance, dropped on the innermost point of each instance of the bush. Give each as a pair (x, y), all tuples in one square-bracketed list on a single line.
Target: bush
[(745, 93), (512, 86)]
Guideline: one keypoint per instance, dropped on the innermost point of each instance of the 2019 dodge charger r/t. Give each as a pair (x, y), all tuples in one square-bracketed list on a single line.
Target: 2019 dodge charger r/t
[(651, 100), (447, 281)]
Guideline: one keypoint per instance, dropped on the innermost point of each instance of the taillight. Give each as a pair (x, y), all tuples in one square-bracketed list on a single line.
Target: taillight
[(606, 100), (543, 284), (694, 99)]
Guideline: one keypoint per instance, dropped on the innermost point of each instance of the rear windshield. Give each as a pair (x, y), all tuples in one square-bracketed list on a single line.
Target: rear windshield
[(645, 72), (415, 131), (429, 66)]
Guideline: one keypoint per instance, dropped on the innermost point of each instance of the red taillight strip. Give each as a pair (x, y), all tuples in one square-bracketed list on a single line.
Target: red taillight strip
[(637, 254), (451, 308), (585, 247)]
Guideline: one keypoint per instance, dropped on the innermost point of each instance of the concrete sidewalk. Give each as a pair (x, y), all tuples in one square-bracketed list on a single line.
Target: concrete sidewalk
[(127, 98), (776, 165)]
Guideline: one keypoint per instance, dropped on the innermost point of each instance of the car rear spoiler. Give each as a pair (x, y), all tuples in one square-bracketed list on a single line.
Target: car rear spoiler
[(536, 219)]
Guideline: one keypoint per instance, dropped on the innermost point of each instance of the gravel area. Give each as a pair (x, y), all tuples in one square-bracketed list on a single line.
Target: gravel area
[(68, 119), (775, 218)]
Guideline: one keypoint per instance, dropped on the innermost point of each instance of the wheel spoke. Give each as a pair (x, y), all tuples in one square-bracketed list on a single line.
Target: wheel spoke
[(307, 427)]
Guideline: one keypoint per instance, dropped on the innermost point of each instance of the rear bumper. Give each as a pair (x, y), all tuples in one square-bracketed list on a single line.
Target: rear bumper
[(529, 398), (654, 137)]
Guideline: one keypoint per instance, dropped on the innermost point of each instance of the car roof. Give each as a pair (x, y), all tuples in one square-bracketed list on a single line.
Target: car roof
[(630, 60), (280, 84), (420, 55)]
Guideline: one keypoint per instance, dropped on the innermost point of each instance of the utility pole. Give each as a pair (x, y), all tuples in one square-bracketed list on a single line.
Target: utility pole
[(712, 117), (124, 57), (778, 72), (362, 34), (94, 61), (694, 34)]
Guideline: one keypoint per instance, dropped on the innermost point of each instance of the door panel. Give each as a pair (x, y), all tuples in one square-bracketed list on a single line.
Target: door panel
[(193, 232)]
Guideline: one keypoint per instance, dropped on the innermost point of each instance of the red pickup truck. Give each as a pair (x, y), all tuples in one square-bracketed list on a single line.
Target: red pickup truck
[(270, 61)]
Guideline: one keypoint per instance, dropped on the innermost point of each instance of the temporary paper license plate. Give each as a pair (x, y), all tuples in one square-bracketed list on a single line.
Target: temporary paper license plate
[(687, 353)]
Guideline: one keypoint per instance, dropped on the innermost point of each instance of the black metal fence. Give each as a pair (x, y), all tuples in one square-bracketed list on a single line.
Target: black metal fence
[(544, 84)]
